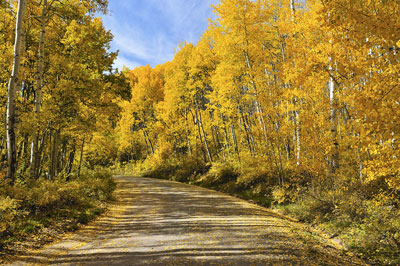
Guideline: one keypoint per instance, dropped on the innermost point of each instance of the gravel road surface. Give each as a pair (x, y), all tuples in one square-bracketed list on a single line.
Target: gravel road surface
[(158, 222)]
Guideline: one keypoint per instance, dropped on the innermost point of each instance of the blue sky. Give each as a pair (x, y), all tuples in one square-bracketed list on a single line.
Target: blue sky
[(147, 31)]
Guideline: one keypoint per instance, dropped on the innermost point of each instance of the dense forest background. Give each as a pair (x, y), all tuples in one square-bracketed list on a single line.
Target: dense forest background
[(293, 104)]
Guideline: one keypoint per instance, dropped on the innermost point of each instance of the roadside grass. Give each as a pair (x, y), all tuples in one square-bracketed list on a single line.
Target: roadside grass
[(35, 212)]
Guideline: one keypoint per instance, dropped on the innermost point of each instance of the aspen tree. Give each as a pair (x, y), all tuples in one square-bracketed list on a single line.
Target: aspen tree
[(39, 85), (14, 79)]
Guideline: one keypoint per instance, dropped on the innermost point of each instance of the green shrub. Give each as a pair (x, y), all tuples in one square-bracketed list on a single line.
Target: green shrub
[(378, 233), (31, 226), (182, 170), (84, 218), (156, 167), (366, 224), (219, 173), (188, 169)]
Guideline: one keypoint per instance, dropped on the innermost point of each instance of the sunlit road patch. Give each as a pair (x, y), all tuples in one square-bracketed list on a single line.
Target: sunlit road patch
[(157, 222)]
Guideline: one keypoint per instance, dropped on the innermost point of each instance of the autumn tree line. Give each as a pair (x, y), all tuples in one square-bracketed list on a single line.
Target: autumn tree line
[(57, 88), (57, 84), (300, 95)]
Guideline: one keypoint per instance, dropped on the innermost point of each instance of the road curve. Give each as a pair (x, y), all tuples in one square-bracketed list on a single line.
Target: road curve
[(158, 222)]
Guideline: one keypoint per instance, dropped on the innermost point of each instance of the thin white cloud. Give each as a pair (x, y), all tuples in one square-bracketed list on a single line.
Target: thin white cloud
[(132, 46), (122, 61), (146, 32)]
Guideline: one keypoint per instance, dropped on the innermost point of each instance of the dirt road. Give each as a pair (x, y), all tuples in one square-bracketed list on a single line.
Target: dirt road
[(157, 222)]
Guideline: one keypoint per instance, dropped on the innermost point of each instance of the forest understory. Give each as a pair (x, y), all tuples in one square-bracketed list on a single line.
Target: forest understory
[(39, 212)]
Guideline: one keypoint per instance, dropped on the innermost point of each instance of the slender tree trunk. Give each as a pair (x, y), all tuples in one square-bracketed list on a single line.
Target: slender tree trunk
[(57, 152), (297, 133), (261, 120), (361, 166), (217, 137), (147, 143), (226, 137), (219, 142), (3, 156), (247, 132), (214, 135), (293, 8), (146, 135), (333, 119), (20, 154), (1, 144), (247, 122), (71, 160), (81, 158), (257, 103), (41, 155), (24, 156), (287, 148), (197, 134), (203, 134), (11, 146), (187, 133), (63, 157), (54, 156), (235, 141), (296, 112), (38, 92)]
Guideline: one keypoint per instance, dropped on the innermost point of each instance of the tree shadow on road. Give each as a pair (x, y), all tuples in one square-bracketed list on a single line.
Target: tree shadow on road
[(156, 222)]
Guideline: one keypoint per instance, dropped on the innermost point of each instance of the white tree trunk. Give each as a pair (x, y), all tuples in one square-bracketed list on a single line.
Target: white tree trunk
[(297, 132), (292, 7), (334, 123), (204, 134), (11, 147), (38, 92)]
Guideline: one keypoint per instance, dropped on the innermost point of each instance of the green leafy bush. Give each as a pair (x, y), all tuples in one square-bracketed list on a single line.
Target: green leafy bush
[(160, 167), (189, 168), (378, 232), (219, 173), (367, 224)]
